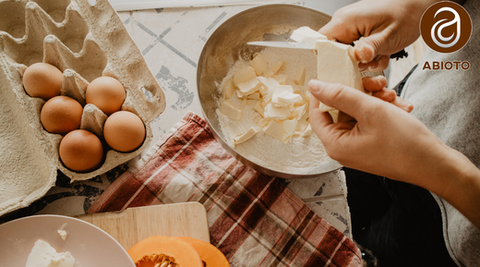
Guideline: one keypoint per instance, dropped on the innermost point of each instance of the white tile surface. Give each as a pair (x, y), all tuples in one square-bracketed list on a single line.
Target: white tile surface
[(171, 41), (327, 6)]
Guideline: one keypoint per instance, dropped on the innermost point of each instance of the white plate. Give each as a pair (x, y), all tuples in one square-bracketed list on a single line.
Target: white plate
[(88, 244)]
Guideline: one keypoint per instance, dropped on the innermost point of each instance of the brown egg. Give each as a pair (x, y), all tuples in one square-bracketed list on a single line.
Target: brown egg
[(61, 114), (81, 151), (42, 80), (106, 93), (124, 131)]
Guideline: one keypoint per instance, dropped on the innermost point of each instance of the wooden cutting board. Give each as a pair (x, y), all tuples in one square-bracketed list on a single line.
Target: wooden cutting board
[(132, 225)]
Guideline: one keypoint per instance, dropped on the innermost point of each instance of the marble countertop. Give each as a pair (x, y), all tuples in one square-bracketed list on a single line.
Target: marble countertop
[(171, 40)]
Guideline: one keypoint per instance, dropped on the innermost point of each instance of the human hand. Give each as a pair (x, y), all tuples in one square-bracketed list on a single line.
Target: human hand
[(372, 135), (377, 85), (378, 137), (378, 28)]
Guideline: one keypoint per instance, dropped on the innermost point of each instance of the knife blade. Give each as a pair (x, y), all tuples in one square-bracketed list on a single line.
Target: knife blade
[(280, 44)]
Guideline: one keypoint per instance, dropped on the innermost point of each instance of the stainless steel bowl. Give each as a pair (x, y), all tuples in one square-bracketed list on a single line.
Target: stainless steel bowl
[(228, 43)]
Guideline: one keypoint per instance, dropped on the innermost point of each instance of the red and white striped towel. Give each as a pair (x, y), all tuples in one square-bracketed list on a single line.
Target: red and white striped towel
[(253, 218)]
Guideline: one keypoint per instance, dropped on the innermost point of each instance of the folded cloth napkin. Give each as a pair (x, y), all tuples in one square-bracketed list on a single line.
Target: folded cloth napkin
[(253, 218)]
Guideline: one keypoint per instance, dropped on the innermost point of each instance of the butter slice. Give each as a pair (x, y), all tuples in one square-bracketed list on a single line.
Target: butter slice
[(269, 85), (283, 96), (262, 123), (289, 126), (259, 108), (336, 64), (44, 255), (228, 88), (244, 75), (274, 129), (249, 87), (274, 69), (307, 36), (251, 102), (279, 90), (302, 124), (245, 136), (300, 111), (299, 78), (231, 111), (281, 78), (276, 113), (289, 98), (259, 64), (63, 234), (308, 131)]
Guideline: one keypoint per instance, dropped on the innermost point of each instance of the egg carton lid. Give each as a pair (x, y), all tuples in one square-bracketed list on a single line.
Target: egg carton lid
[(29, 160)]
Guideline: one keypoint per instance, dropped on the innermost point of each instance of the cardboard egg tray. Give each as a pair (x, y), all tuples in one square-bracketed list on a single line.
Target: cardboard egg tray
[(84, 41)]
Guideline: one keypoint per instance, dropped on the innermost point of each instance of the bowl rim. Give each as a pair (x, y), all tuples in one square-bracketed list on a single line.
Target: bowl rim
[(322, 168)]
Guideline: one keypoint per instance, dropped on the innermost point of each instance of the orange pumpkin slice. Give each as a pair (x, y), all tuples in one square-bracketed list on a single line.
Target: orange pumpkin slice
[(164, 251), (210, 255)]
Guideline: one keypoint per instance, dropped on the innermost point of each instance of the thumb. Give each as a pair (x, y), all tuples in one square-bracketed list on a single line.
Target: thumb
[(346, 99), (368, 48)]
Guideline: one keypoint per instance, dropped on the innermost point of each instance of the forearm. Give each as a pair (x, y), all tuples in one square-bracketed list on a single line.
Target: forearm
[(463, 187), (452, 176), (380, 138)]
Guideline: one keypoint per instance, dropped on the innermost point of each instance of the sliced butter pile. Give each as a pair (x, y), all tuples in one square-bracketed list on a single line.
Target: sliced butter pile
[(336, 62), (279, 99)]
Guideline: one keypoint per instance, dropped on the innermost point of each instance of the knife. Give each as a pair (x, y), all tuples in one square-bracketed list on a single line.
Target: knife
[(280, 44), (283, 44)]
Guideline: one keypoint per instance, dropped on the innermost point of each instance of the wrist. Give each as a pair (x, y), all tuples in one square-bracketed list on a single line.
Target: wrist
[(461, 175), (463, 190)]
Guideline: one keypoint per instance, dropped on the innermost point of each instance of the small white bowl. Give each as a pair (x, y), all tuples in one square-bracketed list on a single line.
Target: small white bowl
[(88, 244)]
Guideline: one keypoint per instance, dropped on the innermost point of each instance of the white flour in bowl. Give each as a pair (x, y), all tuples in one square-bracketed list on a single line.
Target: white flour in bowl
[(303, 150)]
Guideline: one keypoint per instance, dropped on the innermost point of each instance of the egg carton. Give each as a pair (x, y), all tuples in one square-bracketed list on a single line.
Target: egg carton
[(85, 41)]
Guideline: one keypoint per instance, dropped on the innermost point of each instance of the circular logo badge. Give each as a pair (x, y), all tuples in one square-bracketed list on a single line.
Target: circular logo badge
[(446, 27)]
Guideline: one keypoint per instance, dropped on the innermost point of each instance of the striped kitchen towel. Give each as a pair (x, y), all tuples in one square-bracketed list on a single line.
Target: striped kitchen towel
[(253, 218)]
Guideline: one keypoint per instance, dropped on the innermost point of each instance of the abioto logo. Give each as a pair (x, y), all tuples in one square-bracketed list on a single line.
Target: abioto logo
[(446, 27)]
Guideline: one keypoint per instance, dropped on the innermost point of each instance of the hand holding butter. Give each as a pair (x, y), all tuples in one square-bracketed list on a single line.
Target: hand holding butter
[(336, 62)]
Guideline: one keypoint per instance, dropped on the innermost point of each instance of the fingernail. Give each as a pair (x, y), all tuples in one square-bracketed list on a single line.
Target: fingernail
[(363, 52)]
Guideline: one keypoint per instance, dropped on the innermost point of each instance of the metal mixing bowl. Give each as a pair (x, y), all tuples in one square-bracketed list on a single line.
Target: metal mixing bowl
[(228, 43)]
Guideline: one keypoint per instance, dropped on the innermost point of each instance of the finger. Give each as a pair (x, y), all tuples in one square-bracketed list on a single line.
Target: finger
[(385, 94), (316, 114), (319, 120), (343, 98), (339, 31), (377, 65), (374, 83), (346, 119), (403, 104), (368, 48), (390, 95), (315, 110)]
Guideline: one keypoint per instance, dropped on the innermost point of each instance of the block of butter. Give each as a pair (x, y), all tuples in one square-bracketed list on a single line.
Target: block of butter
[(336, 62), (307, 36)]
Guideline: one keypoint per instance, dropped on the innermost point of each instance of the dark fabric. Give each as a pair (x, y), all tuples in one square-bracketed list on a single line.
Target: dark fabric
[(399, 87), (399, 222)]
